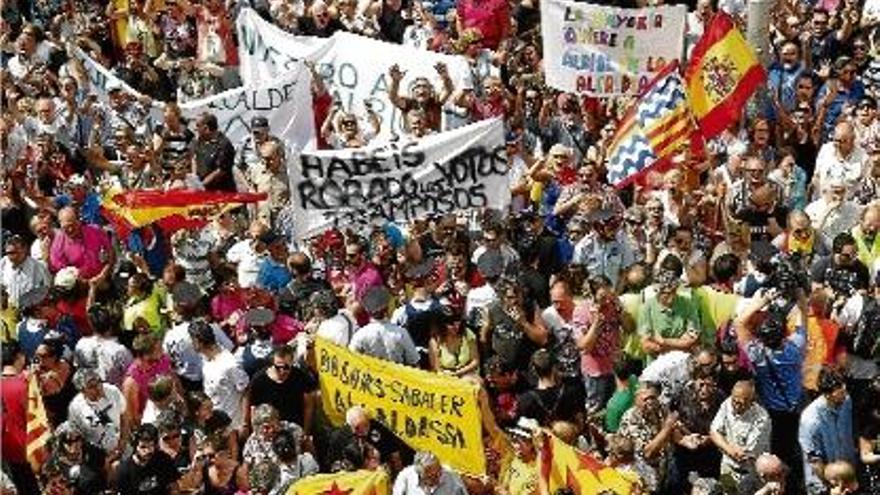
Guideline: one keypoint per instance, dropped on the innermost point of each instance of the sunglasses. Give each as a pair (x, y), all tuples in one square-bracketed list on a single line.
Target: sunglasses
[(282, 367)]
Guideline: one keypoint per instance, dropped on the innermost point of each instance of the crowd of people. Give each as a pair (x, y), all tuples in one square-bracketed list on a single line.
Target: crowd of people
[(714, 328)]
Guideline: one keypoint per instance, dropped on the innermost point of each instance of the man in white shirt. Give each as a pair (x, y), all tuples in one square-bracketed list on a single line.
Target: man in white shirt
[(248, 254), (841, 160), (833, 213), (102, 351), (224, 380), (19, 273), (380, 338), (427, 476), (741, 430), (178, 343), (98, 413)]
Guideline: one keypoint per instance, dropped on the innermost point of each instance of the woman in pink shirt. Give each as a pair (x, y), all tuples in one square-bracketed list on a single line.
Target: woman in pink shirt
[(149, 363)]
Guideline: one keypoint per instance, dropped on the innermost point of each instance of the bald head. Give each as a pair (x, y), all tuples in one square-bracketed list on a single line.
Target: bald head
[(844, 137), (871, 220), (742, 396), (770, 467), (69, 221)]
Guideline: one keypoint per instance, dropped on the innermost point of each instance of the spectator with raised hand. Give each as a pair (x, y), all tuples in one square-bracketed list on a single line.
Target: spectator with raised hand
[(777, 361), (343, 129), (421, 96)]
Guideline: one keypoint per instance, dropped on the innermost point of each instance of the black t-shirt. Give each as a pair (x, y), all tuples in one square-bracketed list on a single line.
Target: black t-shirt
[(288, 397), (560, 402), (154, 478), (216, 154)]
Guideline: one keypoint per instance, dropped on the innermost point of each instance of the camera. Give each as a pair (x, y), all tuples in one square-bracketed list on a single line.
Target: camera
[(787, 275), (842, 282), (771, 331)]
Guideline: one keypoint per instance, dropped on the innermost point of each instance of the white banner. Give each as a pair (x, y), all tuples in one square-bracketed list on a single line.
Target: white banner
[(608, 51), (454, 171), (285, 102), (354, 68)]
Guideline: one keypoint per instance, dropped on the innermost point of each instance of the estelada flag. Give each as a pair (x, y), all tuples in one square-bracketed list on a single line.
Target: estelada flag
[(564, 466), (363, 482), (38, 431), (721, 75), (171, 210)]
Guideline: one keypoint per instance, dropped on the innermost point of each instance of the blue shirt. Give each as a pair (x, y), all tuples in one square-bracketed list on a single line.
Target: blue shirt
[(273, 276), (89, 211), (782, 82), (778, 376), (149, 243), (844, 96), (826, 433)]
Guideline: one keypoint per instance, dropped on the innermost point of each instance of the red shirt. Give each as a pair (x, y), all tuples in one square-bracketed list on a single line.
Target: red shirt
[(490, 17), (13, 418)]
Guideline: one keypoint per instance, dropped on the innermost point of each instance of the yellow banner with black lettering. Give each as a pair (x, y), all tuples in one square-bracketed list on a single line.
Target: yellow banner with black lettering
[(428, 411)]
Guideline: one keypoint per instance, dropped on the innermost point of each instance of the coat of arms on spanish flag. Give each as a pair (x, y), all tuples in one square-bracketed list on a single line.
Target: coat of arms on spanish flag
[(38, 431), (363, 482), (721, 75), (564, 466)]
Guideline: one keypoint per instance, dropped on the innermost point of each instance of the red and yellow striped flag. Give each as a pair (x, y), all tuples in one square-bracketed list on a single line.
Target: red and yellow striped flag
[(171, 210), (564, 466), (721, 75), (38, 430), (363, 482)]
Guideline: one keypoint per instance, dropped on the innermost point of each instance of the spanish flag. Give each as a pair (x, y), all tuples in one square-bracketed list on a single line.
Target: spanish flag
[(38, 431), (171, 210), (722, 74), (564, 466), (363, 482)]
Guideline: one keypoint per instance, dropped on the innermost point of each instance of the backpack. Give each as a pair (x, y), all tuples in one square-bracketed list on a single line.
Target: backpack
[(865, 341)]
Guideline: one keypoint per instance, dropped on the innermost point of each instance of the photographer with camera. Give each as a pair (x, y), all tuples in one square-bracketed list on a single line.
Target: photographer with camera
[(777, 361), (841, 273)]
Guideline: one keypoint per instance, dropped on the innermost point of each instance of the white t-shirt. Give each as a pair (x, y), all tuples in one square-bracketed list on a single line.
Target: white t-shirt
[(480, 297), (338, 329), (186, 361), (109, 358), (830, 166), (99, 422), (247, 261), (225, 383)]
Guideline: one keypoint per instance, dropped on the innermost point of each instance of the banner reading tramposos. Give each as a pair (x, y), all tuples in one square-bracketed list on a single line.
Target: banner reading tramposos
[(608, 51), (428, 411), (285, 101), (354, 68), (454, 171)]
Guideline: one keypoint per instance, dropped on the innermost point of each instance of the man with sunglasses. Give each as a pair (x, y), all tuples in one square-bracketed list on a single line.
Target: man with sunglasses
[(841, 272), (756, 201), (284, 386), (800, 237)]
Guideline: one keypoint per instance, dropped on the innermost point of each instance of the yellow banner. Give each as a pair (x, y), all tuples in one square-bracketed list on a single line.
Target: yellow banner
[(357, 483), (428, 411)]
